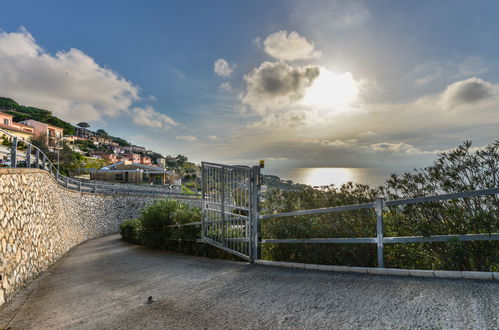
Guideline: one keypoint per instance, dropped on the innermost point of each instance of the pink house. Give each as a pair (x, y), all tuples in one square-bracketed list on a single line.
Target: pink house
[(42, 128), (134, 158), (22, 131), (145, 160), (54, 134)]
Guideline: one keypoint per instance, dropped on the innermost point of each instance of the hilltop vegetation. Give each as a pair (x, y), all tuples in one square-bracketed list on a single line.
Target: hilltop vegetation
[(21, 112)]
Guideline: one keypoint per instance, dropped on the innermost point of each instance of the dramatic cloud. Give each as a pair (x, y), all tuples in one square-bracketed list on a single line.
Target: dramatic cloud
[(69, 83), (468, 91), (274, 85), (150, 118), (223, 68), (289, 47), (189, 138)]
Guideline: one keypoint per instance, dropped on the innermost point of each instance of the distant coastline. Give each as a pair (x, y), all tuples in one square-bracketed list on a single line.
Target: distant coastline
[(321, 176)]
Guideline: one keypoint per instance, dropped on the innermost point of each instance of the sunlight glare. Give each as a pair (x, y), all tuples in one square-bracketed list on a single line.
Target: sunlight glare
[(332, 91)]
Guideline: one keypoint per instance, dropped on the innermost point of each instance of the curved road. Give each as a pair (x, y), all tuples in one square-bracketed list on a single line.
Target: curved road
[(105, 284)]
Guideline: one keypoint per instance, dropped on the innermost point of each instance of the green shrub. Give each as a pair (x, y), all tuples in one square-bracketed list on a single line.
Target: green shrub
[(157, 218), (131, 231)]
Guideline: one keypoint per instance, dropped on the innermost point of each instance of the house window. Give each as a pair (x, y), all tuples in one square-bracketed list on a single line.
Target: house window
[(6, 121), (119, 177)]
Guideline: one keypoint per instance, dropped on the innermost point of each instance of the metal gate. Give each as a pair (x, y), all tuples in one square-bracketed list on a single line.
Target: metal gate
[(230, 216)]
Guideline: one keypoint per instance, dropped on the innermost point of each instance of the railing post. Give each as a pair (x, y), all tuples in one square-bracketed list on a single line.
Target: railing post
[(254, 213), (44, 160), (67, 182), (37, 158), (79, 186), (28, 156), (378, 205), (95, 188), (13, 153), (224, 224)]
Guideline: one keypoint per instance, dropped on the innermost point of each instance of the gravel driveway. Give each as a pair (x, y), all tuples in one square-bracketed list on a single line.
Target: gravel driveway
[(105, 284)]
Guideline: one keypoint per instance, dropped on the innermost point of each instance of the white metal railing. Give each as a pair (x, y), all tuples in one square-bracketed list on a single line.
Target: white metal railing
[(35, 158), (378, 205)]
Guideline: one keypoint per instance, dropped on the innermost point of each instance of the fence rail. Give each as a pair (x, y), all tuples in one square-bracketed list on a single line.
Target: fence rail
[(379, 205), (33, 157)]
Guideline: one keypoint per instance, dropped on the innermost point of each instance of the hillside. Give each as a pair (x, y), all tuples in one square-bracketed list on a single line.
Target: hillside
[(21, 112)]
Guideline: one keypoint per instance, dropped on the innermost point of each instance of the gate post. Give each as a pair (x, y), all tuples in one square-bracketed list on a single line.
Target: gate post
[(203, 199), (379, 204), (254, 213)]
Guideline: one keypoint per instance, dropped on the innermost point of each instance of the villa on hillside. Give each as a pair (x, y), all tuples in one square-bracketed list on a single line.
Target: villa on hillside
[(53, 133), (22, 131), (98, 140), (126, 171)]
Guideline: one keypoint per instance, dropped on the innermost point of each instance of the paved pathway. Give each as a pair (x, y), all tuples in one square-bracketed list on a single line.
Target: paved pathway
[(105, 284)]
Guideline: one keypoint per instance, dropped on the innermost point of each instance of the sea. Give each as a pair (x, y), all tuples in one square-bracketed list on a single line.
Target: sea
[(321, 176)]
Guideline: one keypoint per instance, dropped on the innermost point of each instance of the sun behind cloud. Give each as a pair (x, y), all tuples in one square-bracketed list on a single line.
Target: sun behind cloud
[(331, 91)]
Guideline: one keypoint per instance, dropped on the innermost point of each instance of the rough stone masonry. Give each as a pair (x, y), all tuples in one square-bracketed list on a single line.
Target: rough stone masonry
[(40, 221)]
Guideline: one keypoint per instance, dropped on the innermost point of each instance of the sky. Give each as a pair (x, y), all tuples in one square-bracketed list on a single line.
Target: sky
[(298, 83)]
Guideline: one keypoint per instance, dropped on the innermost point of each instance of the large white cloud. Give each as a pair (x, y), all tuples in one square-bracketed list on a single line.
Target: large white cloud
[(275, 85), (289, 47), (70, 83), (150, 118)]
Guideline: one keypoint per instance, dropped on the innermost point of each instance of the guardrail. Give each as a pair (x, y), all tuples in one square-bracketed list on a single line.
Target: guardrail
[(378, 205), (35, 158)]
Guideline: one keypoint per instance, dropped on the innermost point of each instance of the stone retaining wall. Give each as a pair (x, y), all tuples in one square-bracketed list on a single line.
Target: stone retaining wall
[(40, 221)]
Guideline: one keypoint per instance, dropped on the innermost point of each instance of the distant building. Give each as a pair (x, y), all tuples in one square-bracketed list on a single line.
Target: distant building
[(134, 158), (53, 133), (83, 132), (72, 139), (110, 158), (145, 160), (126, 171), (133, 148), (23, 132), (98, 140), (161, 161)]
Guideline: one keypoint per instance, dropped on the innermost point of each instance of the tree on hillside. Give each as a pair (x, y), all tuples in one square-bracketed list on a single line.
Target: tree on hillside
[(181, 160), (102, 133), (83, 125)]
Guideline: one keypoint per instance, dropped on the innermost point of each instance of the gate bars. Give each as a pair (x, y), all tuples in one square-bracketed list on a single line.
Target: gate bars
[(230, 208)]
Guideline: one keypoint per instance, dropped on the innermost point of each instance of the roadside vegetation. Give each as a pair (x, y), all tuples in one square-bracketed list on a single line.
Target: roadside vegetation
[(464, 168), (157, 228)]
